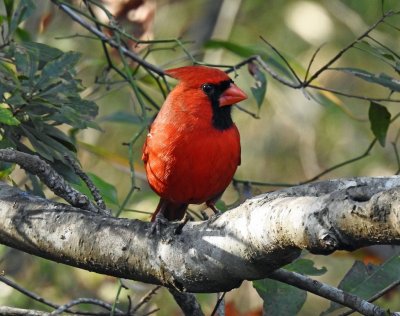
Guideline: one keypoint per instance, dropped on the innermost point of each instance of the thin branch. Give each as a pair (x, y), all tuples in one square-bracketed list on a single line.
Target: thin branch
[(27, 293), (344, 163), (83, 300), (37, 298), (56, 183), (242, 109), (145, 299), (218, 304), (89, 183), (311, 62), (384, 46), (12, 311), (329, 292), (376, 296), (107, 39), (283, 58), (187, 302), (346, 48)]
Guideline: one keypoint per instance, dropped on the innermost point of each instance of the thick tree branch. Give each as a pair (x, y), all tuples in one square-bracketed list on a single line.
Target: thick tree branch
[(261, 235)]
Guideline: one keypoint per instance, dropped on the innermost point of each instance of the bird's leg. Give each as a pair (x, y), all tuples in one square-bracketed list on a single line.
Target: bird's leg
[(204, 214), (182, 223), (211, 205), (159, 221)]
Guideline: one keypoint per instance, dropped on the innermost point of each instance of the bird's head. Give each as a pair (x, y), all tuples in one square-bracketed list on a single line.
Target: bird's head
[(214, 83)]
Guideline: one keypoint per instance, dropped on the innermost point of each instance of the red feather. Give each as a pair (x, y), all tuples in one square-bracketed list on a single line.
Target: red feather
[(187, 159)]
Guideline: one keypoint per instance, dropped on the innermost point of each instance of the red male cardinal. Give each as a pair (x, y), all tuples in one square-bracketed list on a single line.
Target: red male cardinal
[(193, 147)]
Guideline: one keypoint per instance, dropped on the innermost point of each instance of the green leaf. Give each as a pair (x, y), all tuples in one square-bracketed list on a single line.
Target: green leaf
[(24, 9), (9, 5), (107, 190), (379, 118), (260, 84), (6, 167), (56, 68), (7, 117), (46, 53), (381, 79), (305, 266), (279, 298), (366, 280), (23, 35)]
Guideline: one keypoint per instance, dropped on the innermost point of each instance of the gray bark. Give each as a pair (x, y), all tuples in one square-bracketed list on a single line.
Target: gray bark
[(246, 243)]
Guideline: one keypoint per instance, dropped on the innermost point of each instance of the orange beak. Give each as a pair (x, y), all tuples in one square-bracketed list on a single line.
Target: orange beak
[(231, 96)]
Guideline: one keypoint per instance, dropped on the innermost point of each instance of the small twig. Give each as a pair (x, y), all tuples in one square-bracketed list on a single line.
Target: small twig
[(283, 59), (396, 153), (89, 183), (218, 305), (254, 115), (151, 312), (27, 293), (354, 96), (12, 311), (50, 177), (376, 296), (83, 300), (329, 292), (311, 62), (264, 184), (107, 39), (145, 299), (339, 165), (187, 302), (114, 305), (38, 298), (242, 63), (346, 48)]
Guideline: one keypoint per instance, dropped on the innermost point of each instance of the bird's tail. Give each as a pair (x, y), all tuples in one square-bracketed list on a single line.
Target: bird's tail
[(171, 211)]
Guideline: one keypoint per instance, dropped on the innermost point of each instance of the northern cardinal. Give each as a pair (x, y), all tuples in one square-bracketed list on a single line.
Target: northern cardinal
[(192, 149)]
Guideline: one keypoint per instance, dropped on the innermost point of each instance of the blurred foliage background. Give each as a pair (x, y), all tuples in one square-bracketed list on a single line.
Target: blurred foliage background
[(292, 139)]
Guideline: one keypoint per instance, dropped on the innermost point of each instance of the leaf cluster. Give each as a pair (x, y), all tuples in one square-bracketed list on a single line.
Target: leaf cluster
[(39, 92)]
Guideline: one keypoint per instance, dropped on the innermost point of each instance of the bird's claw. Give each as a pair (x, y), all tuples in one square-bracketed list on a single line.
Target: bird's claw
[(159, 221), (215, 210), (178, 229)]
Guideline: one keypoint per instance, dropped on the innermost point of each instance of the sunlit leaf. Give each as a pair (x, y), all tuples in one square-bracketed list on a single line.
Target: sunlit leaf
[(379, 118), (7, 117)]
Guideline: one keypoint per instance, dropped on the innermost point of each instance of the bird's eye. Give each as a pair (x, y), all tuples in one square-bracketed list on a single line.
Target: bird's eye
[(207, 88)]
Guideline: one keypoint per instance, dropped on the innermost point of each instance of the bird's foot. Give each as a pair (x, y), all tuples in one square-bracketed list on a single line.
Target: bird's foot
[(159, 221), (214, 208), (204, 215), (186, 218)]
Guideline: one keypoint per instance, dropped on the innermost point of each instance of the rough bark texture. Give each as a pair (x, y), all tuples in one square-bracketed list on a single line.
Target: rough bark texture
[(248, 242)]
